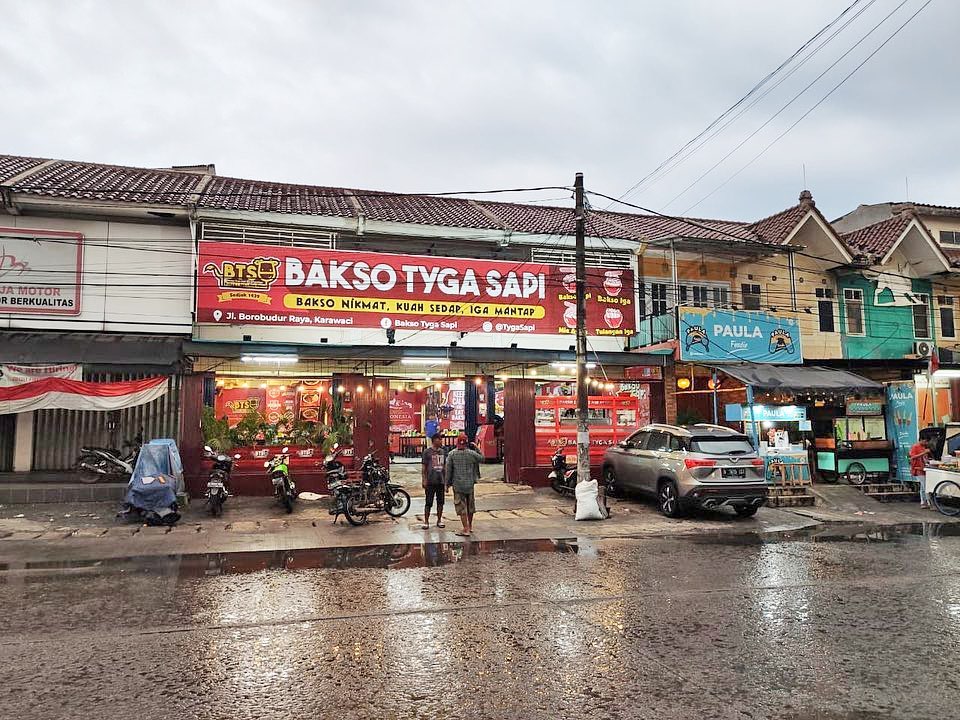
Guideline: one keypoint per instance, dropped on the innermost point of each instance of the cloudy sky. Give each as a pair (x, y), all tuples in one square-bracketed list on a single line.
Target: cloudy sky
[(431, 95)]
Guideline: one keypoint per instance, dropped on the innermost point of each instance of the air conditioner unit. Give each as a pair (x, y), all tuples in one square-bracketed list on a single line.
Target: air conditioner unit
[(923, 348)]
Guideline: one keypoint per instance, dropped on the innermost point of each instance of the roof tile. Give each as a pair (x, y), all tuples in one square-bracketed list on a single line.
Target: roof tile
[(776, 228), (879, 237), (11, 165)]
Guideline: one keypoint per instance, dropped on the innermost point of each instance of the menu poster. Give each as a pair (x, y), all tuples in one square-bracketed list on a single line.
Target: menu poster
[(310, 399), (281, 404), (902, 424), (235, 403)]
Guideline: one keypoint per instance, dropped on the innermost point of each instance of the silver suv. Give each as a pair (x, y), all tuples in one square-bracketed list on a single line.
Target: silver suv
[(706, 466)]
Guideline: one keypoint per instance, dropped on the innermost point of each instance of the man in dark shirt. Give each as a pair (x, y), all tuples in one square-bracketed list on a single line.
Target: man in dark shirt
[(432, 465)]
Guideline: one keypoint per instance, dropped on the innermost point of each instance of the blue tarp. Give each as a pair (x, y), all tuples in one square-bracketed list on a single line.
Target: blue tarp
[(156, 477)]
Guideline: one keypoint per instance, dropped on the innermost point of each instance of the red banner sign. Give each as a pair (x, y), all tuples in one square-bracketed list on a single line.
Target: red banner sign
[(243, 284)]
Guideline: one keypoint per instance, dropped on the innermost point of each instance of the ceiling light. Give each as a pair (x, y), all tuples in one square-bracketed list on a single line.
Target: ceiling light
[(424, 361), (267, 359)]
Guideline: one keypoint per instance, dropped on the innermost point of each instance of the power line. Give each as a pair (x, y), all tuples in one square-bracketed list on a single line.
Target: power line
[(817, 104), (663, 166)]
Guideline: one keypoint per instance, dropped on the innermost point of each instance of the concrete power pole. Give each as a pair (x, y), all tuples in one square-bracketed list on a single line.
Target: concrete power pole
[(583, 426)]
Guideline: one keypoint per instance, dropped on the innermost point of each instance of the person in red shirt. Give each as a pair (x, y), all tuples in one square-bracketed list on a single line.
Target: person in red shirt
[(918, 459)]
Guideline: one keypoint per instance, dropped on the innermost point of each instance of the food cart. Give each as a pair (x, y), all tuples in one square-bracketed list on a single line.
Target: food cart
[(780, 434), (611, 418), (854, 446)]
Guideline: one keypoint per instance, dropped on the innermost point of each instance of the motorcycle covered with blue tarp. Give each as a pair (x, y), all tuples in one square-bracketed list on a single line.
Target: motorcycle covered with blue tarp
[(152, 491)]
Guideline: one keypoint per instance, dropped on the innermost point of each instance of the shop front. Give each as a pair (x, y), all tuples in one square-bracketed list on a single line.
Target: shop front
[(377, 353), (814, 423)]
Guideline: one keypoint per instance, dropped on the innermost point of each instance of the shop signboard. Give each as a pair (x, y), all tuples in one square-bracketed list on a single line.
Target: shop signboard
[(643, 372), (245, 284), (864, 407), (718, 335), (902, 424), (41, 272), (765, 413)]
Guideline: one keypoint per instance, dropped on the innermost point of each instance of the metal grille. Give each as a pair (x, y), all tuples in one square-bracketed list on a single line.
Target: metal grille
[(58, 435), (595, 258), (270, 235), (8, 429)]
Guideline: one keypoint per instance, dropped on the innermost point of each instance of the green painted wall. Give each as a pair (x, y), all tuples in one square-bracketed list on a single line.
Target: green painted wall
[(889, 329)]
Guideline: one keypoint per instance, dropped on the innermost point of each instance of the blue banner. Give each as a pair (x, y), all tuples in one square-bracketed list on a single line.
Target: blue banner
[(716, 336), (902, 424)]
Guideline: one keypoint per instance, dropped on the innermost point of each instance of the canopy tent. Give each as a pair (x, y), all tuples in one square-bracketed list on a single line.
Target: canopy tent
[(799, 379)]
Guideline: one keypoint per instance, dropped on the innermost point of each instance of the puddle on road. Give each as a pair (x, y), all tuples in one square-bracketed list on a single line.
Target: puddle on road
[(855, 533), (373, 556)]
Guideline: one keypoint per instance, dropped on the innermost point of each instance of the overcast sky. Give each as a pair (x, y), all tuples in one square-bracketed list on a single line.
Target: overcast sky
[(441, 95)]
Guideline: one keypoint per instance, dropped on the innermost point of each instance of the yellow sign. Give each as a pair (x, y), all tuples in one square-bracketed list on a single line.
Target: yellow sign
[(331, 303), (244, 295)]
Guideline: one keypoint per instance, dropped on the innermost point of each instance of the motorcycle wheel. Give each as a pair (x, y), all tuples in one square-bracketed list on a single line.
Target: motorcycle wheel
[(558, 486), (216, 505), (287, 502), (401, 503), (88, 476), (354, 517)]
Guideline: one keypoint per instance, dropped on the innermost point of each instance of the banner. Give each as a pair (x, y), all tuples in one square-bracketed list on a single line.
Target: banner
[(243, 284), (902, 424), (41, 271), (235, 403), (76, 395), (718, 336), (19, 374), (405, 410)]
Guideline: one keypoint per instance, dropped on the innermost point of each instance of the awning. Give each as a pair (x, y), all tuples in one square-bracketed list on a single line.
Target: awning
[(798, 379), (160, 353)]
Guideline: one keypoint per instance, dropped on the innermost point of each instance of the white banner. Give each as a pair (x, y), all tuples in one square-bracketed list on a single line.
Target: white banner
[(77, 395), (41, 271), (19, 374)]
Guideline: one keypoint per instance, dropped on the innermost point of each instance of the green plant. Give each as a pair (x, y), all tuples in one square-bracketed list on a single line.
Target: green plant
[(250, 426), (216, 431)]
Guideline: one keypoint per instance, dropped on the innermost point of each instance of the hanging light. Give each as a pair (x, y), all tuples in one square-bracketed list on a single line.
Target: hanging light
[(683, 383), (341, 388), (379, 388), (359, 388)]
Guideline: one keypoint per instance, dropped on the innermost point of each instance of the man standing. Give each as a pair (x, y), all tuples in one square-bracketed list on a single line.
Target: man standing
[(432, 466), (462, 472), (918, 463)]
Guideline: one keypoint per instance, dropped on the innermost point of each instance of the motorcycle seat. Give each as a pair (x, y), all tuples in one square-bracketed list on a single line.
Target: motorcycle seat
[(94, 448)]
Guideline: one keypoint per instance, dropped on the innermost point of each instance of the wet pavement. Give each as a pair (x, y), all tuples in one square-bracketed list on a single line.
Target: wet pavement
[(850, 623)]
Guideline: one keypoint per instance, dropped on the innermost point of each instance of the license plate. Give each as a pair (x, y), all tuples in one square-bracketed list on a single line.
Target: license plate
[(216, 485), (734, 472)]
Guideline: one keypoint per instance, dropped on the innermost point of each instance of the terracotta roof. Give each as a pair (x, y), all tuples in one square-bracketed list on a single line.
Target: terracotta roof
[(91, 181), (11, 165), (776, 228), (879, 237), (88, 181), (953, 255)]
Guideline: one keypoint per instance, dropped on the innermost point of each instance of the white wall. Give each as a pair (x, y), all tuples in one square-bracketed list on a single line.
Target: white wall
[(148, 269)]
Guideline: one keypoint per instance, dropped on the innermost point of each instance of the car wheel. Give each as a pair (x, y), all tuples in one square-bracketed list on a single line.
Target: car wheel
[(745, 511), (610, 482), (668, 500)]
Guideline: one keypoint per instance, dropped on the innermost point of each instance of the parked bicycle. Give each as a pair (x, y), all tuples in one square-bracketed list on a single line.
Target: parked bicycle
[(946, 497)]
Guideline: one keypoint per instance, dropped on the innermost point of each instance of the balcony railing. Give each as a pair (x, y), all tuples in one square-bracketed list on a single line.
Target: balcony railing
[(654, 330)]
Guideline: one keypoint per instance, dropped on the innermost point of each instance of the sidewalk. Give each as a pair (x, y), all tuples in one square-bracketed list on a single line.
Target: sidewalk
[(89, 531)]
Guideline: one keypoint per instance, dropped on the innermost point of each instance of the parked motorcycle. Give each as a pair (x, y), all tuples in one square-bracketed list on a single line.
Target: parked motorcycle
[(562, 479), (284, 489), (336, 483), (98, 464), (375, 493), (218, 482)]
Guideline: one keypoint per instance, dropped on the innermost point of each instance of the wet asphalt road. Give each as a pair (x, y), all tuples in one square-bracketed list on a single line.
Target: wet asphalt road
[(854, 629)]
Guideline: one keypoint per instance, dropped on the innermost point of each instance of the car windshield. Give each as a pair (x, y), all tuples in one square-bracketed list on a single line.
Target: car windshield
[(734, 445)]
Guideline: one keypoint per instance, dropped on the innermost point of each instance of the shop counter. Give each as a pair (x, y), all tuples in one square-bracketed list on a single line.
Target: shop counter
[(786, 467)]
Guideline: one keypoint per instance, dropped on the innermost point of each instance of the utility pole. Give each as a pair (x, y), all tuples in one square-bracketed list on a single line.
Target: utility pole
[(583, 427)]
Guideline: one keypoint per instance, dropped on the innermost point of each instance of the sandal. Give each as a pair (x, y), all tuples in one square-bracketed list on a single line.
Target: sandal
[(462, 534), (425, 526), (440, 525)]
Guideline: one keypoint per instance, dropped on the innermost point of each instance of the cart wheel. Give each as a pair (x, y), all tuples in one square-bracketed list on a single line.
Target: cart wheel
[(856, 474)]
